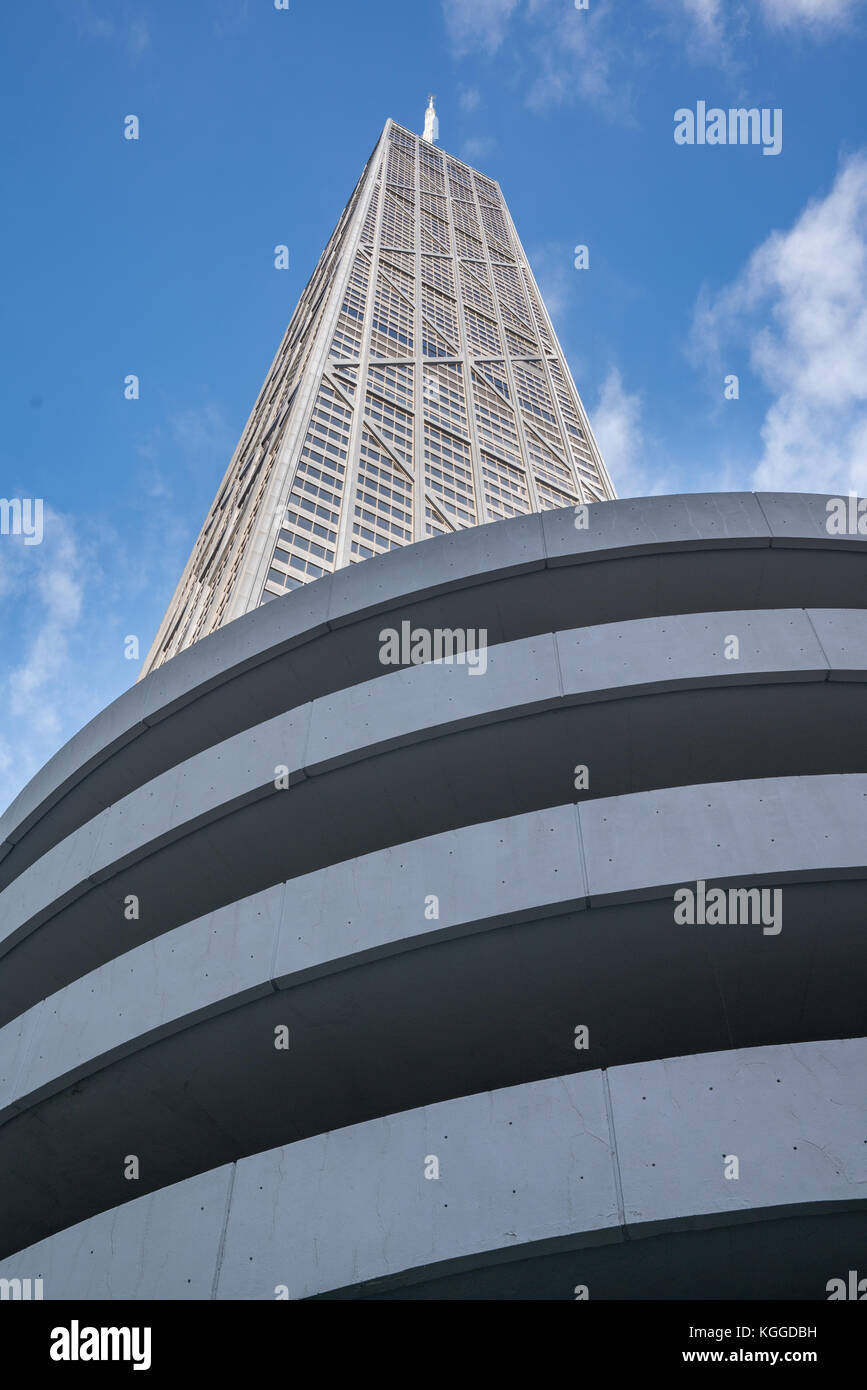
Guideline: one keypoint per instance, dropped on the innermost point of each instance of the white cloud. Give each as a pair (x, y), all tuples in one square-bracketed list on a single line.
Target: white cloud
[(588, 54), (815, 14), (469, 100), (33, 685), (67, 605), (705, 18), (618, 428), (707, 30), (712, 25), (478, 148), (800, 305), (715, 25), (43, 591), (477, 23), (575, 53), (571, 51)]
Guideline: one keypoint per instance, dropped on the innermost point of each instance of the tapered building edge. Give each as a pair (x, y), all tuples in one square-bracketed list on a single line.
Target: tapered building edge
[(492, 421)]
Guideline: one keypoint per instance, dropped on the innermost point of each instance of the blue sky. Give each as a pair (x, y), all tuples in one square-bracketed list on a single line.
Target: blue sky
[(155, 257)]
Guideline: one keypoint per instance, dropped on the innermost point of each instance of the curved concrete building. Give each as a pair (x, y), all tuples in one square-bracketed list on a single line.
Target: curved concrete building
[(533, 974)]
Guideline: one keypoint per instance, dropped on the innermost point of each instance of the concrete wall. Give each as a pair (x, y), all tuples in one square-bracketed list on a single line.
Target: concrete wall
[(558, 1169), (309, 907)]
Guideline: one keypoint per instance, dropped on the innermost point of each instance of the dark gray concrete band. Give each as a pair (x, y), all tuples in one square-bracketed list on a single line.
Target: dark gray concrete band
[(176, 1058), (638, 558), (214, 828), (634, 1157)]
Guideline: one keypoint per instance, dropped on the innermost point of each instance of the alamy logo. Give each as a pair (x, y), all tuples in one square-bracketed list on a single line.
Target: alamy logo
[(744, 907), (76, 1343), (738, 126), (847, 516), (20, 1289), (22, 516), (855, 1288), (420, 645)]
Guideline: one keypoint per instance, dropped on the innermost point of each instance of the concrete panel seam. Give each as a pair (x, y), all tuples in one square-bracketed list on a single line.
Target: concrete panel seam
[(615, 1157), (25, 1054), (275, 946), (584, 873), (218, 1263), (561, 688), (830, 670), (765, 517)]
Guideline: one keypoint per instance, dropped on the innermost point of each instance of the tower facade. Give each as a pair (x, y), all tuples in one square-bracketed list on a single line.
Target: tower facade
[(419, 389)]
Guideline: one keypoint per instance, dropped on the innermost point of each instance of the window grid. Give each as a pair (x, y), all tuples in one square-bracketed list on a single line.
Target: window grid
[(538, 315), (469, 247), (392, 323), (369, 228), (475, 293), (433, 525), (494, 423), (505, 489), (400, 168), (465, 217), (482, 333), (436, 271), (396, 426), (449, 474), (444, 400), (398, 222), (511, 296), (496, 231), (533, 394), (552, 498), (395, 383), (434, 232), (382, 511), (401, 277), (441, 312)]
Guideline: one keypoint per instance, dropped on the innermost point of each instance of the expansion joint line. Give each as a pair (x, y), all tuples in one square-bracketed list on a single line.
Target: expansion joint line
[(615, 1157)]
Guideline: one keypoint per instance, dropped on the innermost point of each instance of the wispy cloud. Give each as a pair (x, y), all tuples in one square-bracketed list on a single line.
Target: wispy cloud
[(119, 24), (800, 307), (575, 52), (554, 272), (478, 148), (231, 17), (617, 424), (712, 28), (469, 100), (67, 605), (194, 439), (571, 52), (477, 24), (816, 15), (705, 29), (202, 431), (57, 598), (706, 17), (589, 54), (43, 591)]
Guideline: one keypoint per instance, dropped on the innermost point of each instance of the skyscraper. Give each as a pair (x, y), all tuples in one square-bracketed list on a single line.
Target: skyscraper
[(419, 389), (329, 976)]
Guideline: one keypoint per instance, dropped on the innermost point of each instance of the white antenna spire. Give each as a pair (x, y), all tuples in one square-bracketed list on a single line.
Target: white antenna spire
[(431, 123)]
